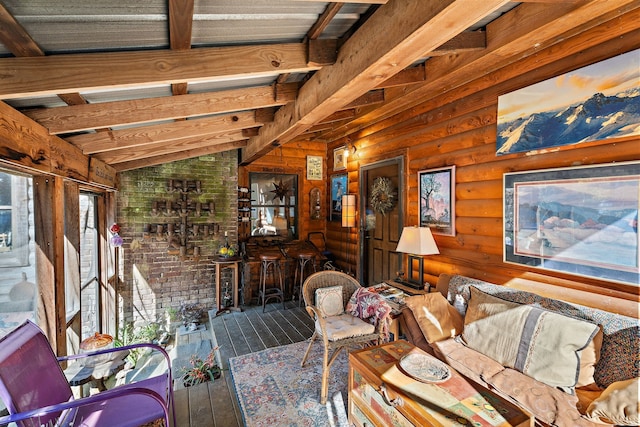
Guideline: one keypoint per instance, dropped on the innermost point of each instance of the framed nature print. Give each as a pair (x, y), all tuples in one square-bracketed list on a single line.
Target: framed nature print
[(339, 159), (314, 168), (588, 104), (581, 220), (339, 186), (437, 200)]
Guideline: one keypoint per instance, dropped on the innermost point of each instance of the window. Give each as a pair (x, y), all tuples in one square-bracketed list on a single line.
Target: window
[(16, 207), (18, 289), (89, 265), (274, 204)]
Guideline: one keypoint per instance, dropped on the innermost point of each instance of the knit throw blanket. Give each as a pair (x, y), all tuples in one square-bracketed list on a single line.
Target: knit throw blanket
[(371, 307)]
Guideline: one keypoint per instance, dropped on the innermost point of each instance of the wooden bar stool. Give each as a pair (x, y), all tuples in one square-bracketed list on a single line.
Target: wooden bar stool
[(270, 266), (304, 259)]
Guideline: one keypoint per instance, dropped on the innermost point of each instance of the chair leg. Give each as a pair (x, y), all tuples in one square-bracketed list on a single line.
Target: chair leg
[(306, 354), (324, 392)]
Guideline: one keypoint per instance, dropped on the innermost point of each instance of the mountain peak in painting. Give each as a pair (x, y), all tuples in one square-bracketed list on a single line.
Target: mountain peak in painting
[(599, 117)]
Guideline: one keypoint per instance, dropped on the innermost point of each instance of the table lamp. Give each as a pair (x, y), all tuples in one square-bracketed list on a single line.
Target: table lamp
[(416, 242)]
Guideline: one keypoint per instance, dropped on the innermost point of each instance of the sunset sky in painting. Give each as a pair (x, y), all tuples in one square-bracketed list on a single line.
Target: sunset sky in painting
[(611, 76)]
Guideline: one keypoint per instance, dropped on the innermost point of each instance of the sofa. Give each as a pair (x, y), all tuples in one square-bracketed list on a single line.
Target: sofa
[(565, 364)]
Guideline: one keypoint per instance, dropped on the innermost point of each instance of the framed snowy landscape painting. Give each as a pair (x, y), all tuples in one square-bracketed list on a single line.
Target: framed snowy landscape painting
[(596, 102), (581, 220)]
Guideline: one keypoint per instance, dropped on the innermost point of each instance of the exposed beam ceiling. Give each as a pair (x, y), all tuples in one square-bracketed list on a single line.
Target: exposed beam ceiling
[(131, 104)]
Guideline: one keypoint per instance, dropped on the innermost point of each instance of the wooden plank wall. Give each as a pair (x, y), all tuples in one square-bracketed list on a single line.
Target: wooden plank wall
[(458, 127)]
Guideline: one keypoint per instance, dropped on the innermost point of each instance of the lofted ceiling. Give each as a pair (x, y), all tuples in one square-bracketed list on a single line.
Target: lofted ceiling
[(136, 84)]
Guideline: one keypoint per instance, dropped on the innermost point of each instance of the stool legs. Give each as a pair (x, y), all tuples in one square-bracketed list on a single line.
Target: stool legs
[(271, 268), (303, 261)]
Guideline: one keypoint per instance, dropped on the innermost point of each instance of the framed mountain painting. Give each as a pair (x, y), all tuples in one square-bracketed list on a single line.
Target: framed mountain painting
[(597, 102), (581, 220)]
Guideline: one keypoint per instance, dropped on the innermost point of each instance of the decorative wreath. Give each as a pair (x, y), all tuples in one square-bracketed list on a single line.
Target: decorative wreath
[(382, 198)]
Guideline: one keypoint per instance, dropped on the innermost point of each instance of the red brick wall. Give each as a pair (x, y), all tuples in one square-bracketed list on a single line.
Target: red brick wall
[(154, 277)]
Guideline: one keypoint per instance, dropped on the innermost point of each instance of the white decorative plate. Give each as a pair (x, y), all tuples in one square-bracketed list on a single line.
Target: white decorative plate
[(425, 368)]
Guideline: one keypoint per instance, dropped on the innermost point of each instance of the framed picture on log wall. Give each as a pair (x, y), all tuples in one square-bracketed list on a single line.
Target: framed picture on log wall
[(592, 103), (339, 159), (314, 168), (339, 185), (581, 220), (436, 189)]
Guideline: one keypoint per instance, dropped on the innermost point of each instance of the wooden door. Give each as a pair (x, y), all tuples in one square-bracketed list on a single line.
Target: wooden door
[(381, 230)]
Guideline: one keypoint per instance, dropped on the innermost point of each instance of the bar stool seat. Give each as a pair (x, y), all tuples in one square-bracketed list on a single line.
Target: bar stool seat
[(304, 259), (270, 266)]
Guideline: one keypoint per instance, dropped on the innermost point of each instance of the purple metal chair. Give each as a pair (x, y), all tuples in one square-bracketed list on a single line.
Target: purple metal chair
[(35, 391)]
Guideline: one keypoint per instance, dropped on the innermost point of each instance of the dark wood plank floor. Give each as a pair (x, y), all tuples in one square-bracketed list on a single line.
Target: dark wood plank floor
[(236, 333)]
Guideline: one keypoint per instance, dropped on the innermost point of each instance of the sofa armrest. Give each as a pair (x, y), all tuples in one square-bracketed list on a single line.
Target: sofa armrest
[(412, 331)]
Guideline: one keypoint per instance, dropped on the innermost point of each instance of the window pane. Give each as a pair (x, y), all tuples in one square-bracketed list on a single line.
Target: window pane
[(5, 189), (18, 289)]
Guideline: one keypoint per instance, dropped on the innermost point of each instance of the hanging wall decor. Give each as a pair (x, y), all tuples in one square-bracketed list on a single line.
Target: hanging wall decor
[(339, 184), (593, 103), (383, 195), (581, 220), (436, 202)]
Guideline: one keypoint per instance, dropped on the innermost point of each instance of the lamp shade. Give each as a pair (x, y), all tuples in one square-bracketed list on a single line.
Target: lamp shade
[(417, 241), (349, 210)]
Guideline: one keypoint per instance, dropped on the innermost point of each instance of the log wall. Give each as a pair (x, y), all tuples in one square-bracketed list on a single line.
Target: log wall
[(458, 127)]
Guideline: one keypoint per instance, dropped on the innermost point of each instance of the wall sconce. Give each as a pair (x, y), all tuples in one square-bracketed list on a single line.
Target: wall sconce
[(349, 150), (416, 242), (348, 219)]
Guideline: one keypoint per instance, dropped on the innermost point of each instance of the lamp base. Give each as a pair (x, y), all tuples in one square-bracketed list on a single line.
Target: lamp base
[(411, 285)]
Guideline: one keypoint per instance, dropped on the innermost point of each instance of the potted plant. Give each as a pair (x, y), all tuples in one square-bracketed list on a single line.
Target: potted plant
[(190, 314), (173, 320), (201, 370)]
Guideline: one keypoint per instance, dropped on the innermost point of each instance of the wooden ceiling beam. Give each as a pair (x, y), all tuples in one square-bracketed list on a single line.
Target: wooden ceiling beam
[(15, 38), (182, 155), (168, 132), (150, 150), (37, 76), (77, 118), (405, 77), (339, 116), (521, 32), (375, 96), (463, 42), (324, 20), (407, 26), (353, 1), (180, 24), (180, 30), (26, 146), (20, 43)]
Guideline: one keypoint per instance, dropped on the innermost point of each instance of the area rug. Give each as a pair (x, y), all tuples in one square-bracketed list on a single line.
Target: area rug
[(273, 390)]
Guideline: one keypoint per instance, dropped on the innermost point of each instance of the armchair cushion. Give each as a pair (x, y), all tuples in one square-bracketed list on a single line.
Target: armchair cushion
[(329, 301), (344, 326)]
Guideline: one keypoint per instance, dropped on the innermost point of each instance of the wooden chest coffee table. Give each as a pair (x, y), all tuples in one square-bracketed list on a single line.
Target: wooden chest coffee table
[(382, 394)]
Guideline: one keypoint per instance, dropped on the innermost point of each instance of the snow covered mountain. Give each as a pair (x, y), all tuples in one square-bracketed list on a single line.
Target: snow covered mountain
[(599, 117)]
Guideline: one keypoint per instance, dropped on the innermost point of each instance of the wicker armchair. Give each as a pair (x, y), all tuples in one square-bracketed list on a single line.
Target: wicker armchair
[(336, 332)]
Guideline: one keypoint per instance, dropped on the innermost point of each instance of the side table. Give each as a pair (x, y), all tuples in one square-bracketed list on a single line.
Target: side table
[(95, 369), (223, 264)]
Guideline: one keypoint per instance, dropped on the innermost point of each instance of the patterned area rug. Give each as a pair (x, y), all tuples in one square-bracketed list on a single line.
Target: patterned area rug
[(273, 390)]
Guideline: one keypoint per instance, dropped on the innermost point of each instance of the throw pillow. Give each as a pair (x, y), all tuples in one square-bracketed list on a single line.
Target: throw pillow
[(329, 301), (437, 319), (618, 404), (541, 344), (589, 357)]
